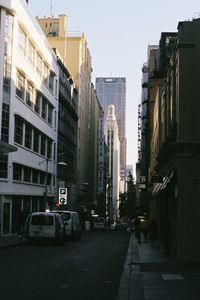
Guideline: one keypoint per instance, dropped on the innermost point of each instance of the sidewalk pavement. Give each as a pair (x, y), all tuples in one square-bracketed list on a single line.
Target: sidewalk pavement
[(150, 275), (11, 240)]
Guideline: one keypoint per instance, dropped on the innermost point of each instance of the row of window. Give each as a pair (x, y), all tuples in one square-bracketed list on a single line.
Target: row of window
[(8, 35), (34, 58), (30, 137), (29, 175), (33, 98)]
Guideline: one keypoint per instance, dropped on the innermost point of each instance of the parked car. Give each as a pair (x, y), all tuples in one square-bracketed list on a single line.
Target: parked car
[(44, 226), (99, 223), (72, 226)]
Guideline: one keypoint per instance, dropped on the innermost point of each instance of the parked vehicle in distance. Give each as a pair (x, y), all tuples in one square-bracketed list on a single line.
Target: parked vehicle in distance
[(99, 223), (72, 226), (44, 226)]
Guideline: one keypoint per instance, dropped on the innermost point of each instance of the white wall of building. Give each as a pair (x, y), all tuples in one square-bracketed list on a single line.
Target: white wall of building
[(20, 63)]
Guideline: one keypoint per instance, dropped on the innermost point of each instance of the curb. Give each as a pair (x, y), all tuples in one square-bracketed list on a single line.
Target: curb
[(131, 281)]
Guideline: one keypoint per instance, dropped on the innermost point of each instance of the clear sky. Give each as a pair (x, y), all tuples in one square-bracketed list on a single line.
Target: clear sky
[(118, 33)]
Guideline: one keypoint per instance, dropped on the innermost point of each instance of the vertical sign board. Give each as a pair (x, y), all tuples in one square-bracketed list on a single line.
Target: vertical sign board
[(142, 182), (101, 156)]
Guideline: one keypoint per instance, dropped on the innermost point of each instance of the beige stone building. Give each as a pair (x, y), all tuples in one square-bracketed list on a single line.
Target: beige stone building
[(77, 59)]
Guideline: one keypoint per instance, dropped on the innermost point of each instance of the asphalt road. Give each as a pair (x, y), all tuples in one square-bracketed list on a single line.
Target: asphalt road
[(89, 269)]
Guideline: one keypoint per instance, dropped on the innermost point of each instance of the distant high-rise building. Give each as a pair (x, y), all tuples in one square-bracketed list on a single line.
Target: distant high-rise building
[(112, 90), (112, 141)]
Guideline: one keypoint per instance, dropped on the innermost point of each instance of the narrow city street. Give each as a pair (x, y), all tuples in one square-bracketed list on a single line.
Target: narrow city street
[(89, 269)]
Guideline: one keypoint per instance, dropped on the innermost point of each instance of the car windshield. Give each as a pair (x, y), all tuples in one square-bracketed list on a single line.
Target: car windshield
[(42, 220)]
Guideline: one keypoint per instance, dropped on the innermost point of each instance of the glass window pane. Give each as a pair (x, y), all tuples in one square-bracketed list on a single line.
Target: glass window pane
[(17, 172), (20, 86), (3, 166), (36, 140), (18, 130), (28, 136), (27, 174), (22, 41), (43, 145)]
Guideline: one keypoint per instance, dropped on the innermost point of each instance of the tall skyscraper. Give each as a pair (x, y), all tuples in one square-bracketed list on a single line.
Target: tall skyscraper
[(112, 141), (112, 90)]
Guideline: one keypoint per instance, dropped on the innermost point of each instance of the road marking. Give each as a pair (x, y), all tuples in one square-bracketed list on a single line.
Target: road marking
[(172, 277)]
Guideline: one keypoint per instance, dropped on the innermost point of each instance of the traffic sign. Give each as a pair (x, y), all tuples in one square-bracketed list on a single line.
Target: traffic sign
[(63, 196)]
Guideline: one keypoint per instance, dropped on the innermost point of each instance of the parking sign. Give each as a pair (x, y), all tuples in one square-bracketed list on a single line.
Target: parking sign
[(63, 196)]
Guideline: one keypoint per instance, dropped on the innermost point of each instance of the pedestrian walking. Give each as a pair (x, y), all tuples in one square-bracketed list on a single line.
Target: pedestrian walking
[(145, 229)]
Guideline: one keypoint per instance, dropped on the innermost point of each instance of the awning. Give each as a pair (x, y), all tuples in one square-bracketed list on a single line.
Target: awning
[(6, 148)]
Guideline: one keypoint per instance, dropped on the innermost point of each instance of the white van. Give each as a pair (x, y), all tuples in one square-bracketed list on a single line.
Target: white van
[(72, 226), (44, 226)]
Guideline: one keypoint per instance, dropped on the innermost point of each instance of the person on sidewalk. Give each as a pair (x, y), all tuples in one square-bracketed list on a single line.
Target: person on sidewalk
[(137, 226), (145, 229)]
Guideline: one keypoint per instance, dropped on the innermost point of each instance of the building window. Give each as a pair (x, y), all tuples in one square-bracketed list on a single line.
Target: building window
[(27, 174), (31, 53), (37, 102), (3, 166), (22, 41), (51, 79), (20, 85), (39, 65), (17, 172), (44, 108), (5, 122), (29, 95), (36, 140), (45, 73), (50, 114), (6, 80), (28, 136), (49, 148), (42, 178), (43, 145), (55, 120), (49, 179), (35, 176), (18, 130)]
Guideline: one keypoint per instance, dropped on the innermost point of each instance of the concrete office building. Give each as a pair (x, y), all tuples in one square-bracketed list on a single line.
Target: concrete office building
[(77, 58), (112, 141), (112, 90), (28, 118)]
